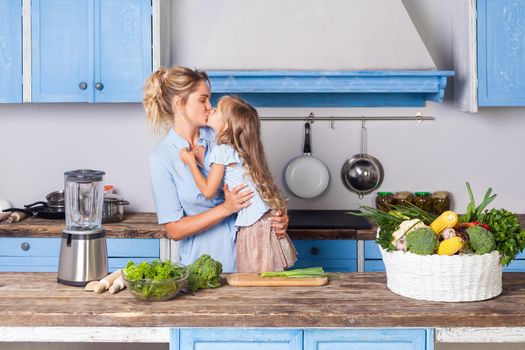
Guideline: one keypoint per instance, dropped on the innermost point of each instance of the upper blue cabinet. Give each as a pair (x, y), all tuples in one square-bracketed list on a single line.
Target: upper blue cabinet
[(501, 52), (90, 51), (10, 51)]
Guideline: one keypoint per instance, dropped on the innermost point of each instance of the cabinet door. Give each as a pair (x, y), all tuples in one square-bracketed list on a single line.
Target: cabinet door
[(368, 339), (501, 53), (123, 52), (122, 250), (11, 51), (236, 339), (333, 255), (61, 53), (27, 254)]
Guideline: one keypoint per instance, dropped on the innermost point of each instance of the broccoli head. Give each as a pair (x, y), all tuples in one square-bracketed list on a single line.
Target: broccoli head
[(481, 240), (204, 273), (422, 241)]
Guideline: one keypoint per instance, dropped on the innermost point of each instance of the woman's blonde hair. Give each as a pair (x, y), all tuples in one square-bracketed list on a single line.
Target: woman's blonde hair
[(244, 134), (162, 86)]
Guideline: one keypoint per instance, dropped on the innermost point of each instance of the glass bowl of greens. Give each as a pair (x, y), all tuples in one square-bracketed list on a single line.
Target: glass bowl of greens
[(156, 280)]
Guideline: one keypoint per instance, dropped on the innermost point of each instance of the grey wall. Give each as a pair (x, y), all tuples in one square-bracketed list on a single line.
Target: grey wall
[(39, 142)]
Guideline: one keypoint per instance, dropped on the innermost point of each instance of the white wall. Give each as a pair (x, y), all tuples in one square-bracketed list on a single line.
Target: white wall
[(39, 142)]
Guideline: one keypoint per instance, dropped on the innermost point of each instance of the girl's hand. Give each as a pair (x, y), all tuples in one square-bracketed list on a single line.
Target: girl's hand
[(186, 156), (235, 200), (280, 224)]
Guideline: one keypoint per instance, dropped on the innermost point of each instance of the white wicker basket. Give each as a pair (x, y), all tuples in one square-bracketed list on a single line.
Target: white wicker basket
[(443, 278)]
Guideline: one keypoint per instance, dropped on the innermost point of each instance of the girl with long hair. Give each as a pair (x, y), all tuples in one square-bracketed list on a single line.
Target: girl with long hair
[(239, 158)]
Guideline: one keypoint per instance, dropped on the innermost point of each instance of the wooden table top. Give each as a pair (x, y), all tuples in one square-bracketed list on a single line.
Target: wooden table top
[(353, 300)]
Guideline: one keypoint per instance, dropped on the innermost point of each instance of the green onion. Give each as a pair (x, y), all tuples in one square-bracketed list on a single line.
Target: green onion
[(297, 273)]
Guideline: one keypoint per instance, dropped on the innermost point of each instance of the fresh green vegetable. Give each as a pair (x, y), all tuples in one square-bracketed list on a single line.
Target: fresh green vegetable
[(155, 280), (422, 241), (481, 240), (414, 212), (204, 273), (474, 212), (297, 273), (386, 221), (509, 236)]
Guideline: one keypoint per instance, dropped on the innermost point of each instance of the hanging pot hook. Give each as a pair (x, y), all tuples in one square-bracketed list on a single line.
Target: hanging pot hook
[(311, 118)]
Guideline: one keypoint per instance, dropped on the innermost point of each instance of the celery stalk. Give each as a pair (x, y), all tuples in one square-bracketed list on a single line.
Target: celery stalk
[(297, 273)]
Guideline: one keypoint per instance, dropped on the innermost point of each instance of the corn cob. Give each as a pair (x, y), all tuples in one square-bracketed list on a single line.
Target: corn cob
[(446, 219), (450, 246)]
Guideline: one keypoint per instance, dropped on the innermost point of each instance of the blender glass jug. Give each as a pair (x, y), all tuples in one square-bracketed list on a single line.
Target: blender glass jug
[(84, 198)]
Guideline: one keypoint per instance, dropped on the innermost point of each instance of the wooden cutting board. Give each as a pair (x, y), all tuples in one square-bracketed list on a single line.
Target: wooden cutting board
[(254, 280)]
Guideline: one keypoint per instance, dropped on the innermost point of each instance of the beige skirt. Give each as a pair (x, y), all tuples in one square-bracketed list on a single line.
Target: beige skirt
[(259, 249)]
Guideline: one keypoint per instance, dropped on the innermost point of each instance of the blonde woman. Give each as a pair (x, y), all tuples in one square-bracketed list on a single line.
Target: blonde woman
[(177, 103), (239, 158)]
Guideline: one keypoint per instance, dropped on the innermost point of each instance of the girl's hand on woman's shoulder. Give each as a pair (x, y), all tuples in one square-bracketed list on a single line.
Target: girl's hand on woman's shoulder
[(237, 199), (187, 156), (280, 224)]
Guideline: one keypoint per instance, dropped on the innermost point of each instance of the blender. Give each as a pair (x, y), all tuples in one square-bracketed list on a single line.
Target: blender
[(83, 250)]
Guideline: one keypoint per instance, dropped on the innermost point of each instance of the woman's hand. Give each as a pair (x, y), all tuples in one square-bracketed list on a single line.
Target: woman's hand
[(237, 198), (280, 224), (187, 157)]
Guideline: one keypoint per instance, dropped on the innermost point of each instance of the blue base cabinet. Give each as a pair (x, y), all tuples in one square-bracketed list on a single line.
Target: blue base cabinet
[(333, 255), (301, 339), (20, 254), (373, 258)]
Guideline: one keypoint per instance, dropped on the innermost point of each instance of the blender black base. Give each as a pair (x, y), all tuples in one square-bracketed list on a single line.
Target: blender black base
[(72, 283)]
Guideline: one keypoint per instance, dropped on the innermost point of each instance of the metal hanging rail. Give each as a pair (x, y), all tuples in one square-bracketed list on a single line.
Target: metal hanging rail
[(312, 118)]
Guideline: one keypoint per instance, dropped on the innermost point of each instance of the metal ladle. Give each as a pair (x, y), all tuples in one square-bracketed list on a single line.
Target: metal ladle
[(362, 173)]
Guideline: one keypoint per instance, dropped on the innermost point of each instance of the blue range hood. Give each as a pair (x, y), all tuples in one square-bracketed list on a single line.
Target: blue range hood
[(374, 88)]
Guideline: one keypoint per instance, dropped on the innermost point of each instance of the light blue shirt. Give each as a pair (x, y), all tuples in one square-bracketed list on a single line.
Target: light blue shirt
[(176, 195), (236, 175)]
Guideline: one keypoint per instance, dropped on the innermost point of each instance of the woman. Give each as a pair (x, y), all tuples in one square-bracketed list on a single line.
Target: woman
[(177, 101)]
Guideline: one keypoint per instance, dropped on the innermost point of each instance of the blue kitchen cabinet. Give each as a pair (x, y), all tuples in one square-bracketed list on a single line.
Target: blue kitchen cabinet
[(236, 339), (20, 254), (373, 258), (333, 255), (10, 51), (90, 51), (368, 339), (517, 265), (501, 52)]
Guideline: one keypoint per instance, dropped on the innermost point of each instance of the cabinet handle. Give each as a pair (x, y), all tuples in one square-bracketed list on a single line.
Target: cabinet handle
[(82, 85), (99, 86), (25, 246), (314, 251)]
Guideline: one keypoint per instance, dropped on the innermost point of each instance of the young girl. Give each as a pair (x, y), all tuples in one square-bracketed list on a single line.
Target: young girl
[(239, 158)]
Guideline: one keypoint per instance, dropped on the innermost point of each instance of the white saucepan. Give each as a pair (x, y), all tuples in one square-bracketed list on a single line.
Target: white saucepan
[(306, 176)]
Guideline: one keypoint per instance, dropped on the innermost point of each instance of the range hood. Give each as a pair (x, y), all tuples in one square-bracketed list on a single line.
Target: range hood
[(307, 53)]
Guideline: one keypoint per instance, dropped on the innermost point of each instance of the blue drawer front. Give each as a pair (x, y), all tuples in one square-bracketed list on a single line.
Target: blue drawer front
[(515, 266), (326, 249), (236, 339), (374, 266), (372, 250), (368, 339), (135, 247), (12, 246), (329, 265), (29, 264)]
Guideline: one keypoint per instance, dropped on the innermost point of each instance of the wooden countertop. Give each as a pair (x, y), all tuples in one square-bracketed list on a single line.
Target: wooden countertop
[(144, 225), (353, 300)]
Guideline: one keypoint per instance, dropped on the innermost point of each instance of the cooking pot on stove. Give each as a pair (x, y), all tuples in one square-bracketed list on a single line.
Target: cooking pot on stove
[(113, 210), (54, 202)]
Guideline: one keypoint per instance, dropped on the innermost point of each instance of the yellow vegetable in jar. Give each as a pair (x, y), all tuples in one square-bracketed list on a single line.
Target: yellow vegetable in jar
[(445, 220), (450, 246)]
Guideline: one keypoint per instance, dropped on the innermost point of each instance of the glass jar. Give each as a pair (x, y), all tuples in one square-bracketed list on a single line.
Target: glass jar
[(384, 201), (403, 198), (440, 202), (423, 201)]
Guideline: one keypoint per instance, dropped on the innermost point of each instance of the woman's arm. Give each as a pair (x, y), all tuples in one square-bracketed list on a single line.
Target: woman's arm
[(209, 186), (190, 225)]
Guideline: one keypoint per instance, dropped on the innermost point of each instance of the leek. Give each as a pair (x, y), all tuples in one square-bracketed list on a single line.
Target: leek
[(297, 273)]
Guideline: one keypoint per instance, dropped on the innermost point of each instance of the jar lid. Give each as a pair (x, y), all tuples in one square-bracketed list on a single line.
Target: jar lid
[(422, 193), (384, 194)]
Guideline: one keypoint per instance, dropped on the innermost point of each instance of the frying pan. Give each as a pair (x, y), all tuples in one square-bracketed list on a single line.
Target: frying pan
[(362, 173), (41, 211), (306, 176)]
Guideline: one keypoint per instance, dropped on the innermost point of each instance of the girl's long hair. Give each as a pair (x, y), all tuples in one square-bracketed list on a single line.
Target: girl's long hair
[(162, 86), (244, 134)]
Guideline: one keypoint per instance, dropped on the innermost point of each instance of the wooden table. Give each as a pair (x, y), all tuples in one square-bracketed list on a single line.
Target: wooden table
[(34, 307)]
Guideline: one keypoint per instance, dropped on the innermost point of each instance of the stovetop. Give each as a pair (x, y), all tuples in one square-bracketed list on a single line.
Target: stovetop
[(327, 219)]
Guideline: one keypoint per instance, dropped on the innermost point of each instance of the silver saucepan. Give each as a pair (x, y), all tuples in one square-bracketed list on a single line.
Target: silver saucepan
[(113, 210), (362, 173)]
